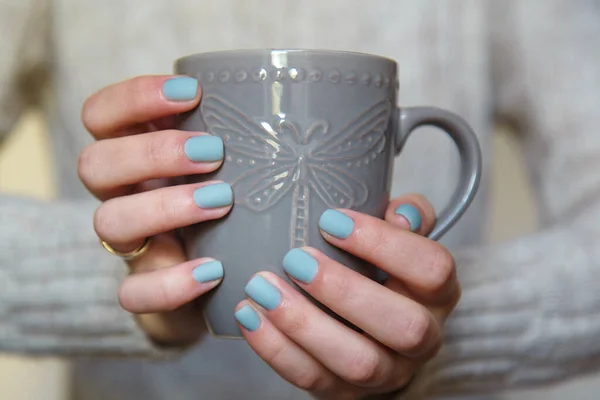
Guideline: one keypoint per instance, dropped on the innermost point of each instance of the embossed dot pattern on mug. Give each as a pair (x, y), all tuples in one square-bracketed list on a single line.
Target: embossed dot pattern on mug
[(296, 74)]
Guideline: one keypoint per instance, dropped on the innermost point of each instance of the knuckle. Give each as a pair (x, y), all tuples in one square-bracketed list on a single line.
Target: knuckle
[(133, 296), (141, 93), (124, 296), (363, 369), (454, 299), (434, 349), (158, 149), (309, 380), (375, 241), (402, 378), (417, 332), (86, 164), (168, 208), (341, 290), (292, 321), (166, 295), (139, 84), (440, 270), (88, 111), (105, 223), (275, 350)]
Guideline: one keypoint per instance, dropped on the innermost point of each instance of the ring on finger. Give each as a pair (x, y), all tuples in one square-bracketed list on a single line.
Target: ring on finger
[(130, 255)]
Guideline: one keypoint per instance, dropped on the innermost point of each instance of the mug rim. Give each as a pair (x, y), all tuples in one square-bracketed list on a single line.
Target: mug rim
[(301, 51)]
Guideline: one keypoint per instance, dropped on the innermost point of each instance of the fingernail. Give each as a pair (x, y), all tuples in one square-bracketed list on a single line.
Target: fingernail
[(204, 148), (214, 196), (412, 215), (208, 272), (336, 223), (248, 318), (182, 88), (263, 292), (300, 265)]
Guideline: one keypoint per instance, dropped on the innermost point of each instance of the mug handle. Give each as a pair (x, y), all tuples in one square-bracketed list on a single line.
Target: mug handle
[(411, 118)]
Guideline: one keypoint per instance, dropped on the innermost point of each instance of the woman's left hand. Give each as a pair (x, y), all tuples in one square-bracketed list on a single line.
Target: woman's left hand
[(402, 320)]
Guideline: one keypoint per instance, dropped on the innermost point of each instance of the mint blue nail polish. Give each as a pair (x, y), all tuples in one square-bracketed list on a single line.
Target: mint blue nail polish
[(263, 292), (412, 215), (214, 196), (300, 265), (336, 223), (248, 318), (209, 271), (205, 148), (182, 88)]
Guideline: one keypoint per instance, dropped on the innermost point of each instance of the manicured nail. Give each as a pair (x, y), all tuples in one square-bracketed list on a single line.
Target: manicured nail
[(412, 215), (214, 196), (263, 292), (248, 318), (300, 265), (182, 88), (204, 148), (336, 223), (208, 272)]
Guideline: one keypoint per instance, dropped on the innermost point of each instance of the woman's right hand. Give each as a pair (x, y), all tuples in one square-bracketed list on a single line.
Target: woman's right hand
[(130, 168)]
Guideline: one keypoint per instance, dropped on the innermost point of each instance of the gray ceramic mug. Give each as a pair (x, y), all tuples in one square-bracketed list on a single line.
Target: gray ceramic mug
[(304, 131)]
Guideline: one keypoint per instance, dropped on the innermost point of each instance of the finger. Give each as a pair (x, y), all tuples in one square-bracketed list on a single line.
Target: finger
[(345, 352), (415, 213), (169, 288), (400, 323), (440, 310), (116, 108), (182, 326), (424, 266), (286, 358), (412, 212), (124, 222), (107, 167)]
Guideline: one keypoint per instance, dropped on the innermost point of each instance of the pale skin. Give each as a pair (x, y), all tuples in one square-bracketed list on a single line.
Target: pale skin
[(131, 168)]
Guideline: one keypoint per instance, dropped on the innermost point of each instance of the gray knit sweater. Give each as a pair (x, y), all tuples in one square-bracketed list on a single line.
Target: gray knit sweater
[(529, 314)]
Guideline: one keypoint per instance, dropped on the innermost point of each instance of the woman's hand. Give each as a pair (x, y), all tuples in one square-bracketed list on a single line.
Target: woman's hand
[(401, 320), (129, 169)]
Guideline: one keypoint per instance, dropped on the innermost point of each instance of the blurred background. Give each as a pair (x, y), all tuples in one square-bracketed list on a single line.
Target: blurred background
[(27, 151)]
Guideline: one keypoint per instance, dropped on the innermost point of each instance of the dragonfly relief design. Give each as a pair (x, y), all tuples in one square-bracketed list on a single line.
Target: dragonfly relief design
[(280, 155)]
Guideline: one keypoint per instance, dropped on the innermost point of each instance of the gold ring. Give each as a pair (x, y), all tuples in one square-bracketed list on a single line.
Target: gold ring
[(131, 255)]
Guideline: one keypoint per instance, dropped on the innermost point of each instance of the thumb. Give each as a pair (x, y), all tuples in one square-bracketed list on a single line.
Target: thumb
[(411, 212)]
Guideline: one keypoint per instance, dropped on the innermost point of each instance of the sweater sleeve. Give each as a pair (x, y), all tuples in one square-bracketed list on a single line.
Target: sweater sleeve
[(529, 315), (58, 290), (57, 286)]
